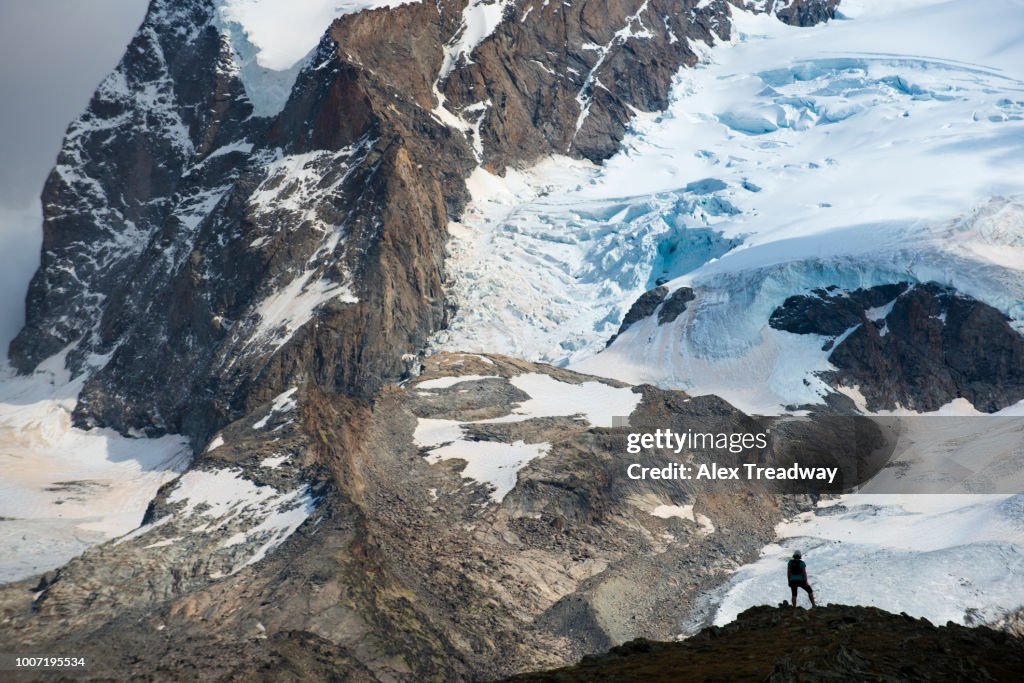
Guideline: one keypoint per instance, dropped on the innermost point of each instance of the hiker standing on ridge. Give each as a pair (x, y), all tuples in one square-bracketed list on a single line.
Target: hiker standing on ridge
[(796, 571)]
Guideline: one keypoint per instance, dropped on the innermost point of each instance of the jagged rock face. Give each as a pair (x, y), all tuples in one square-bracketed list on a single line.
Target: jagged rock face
[(657, 300), (411, 565), (831, 312), (117, 174), (199, 245), (803, 12), (645, 305), (582, 66), (564, 78), (780, 644), (200, 257), (674, 305), (918, 346)]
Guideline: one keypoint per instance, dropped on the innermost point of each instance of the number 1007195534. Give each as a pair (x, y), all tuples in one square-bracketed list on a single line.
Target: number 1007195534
[(20, 662)]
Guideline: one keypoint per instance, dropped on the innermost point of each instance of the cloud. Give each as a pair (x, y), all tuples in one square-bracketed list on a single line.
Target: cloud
[(53, 53), (20, 239)]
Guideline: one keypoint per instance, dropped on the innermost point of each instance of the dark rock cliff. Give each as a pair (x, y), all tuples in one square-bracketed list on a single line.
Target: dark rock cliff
[(915, 346)]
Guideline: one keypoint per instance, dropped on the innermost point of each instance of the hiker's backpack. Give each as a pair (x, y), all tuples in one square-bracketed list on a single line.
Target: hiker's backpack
[(797, 570)]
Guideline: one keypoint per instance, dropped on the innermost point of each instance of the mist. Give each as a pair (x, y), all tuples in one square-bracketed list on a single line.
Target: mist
[(53, 54)]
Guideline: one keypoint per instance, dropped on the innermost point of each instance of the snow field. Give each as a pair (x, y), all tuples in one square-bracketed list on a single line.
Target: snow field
[(282, 403), (64, 489), (945, 558)]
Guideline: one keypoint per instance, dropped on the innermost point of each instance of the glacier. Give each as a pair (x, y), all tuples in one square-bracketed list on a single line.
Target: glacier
[(881, 147), (872, 149)]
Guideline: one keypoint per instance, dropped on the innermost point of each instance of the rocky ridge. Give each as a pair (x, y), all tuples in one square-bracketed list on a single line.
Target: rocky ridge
[(831, 643), (397, 562), (915, 346)]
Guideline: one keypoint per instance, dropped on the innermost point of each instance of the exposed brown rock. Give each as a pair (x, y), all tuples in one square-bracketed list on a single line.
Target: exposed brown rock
[(404, 583)]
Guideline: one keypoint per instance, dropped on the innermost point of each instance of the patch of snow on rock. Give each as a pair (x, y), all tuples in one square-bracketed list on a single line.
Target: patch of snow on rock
[(274, 461), (282, 403), (479, 19), (282, 313), (498, 463), (492, 462), (685, 512)]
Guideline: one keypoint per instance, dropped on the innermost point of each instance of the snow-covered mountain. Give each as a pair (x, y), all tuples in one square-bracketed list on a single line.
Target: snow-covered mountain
[(249, 204), (268, 249), (879, 149), (815, 195)]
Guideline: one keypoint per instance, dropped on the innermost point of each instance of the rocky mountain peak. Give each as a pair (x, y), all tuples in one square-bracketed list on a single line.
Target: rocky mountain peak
[(192, 238)]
